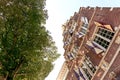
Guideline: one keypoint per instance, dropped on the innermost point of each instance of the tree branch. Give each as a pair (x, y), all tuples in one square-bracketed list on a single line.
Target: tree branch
[(18, 67)]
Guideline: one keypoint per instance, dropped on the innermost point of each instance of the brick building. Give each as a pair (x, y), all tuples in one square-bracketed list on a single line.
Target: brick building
[(92, 44), (63, 72)]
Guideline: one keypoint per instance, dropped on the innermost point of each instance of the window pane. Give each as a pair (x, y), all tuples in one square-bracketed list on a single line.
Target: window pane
[(101, 42), (83, 30), (105, 34)]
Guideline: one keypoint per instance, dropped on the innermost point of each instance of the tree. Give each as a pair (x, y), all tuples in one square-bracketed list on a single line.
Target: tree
[(26, 48)]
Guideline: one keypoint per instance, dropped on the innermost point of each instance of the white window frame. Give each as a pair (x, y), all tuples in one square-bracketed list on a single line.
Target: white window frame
[(85, 22), (102, 37)]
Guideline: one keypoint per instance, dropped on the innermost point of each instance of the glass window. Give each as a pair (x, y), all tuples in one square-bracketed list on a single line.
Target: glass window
[(103, 37), (90, 65), (83, 31), (86, 72), (105, 33), (101, 42), (84, 28), (85, 25)]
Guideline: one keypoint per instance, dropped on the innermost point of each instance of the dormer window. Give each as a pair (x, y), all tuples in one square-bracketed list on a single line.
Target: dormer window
[(103, 38), (105, 33)]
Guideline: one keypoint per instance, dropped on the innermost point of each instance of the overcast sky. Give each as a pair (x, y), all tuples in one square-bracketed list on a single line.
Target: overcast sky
[(61, 10)]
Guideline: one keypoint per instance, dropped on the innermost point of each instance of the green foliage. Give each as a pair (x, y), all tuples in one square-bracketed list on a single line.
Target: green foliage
[(26, 48)]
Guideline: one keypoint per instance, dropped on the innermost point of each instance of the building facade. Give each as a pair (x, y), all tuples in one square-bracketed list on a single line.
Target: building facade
[(92, 44), (63, 72)]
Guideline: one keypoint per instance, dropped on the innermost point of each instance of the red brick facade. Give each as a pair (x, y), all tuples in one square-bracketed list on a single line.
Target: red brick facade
[(92, 44)]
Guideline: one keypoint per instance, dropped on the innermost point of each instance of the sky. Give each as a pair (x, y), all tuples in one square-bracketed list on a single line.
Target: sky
[(59, 11)]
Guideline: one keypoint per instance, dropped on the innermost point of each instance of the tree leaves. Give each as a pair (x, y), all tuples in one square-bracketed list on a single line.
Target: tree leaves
[(26, 48)]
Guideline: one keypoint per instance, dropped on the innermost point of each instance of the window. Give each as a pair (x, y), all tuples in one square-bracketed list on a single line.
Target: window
[(101, 42), (86, 72), (103, 37), (73, 55), (74, 25), (105, 33), (83, 30), (75, 52), (90, 65), (71, 32), (84, 19), (70, 56), (84, 27)]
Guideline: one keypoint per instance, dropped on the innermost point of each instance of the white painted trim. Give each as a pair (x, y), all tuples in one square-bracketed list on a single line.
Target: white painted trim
[(84, 28), (86, 20), (81, 33), (103, 37), (99, 45)]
